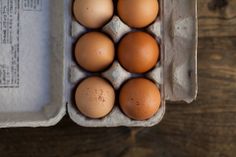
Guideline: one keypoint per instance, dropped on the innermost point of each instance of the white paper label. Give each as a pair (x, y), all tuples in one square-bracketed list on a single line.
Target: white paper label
[(9, 43)]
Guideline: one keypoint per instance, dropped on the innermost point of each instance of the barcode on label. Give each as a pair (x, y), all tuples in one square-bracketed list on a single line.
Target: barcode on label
[(32, 5)]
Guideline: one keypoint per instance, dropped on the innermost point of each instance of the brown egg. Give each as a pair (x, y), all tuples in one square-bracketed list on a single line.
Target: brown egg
[(94, 51), (93, 13), (138, 13), (138, 52), (140, 99), (95, 97)]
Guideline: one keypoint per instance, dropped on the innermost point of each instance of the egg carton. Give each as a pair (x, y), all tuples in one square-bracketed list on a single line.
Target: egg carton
[(39, 89), (117, 75)]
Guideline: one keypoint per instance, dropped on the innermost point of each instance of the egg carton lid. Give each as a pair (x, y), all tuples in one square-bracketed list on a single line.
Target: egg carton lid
[(34, 60), (180, 49)]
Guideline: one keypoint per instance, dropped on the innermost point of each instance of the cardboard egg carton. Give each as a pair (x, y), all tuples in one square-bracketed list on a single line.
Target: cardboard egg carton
[(38, 74), (117, 75)]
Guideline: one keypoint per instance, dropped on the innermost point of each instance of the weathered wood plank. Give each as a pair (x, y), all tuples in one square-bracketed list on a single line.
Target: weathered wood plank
[(217, 18)]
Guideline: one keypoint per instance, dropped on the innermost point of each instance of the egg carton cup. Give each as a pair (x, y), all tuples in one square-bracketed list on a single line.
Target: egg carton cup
[(39, 90)]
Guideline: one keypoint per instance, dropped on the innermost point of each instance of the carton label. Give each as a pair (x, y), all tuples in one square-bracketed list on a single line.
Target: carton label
[(9, 43)]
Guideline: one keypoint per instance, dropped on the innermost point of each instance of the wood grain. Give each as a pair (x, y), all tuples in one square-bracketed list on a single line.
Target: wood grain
[(205, 128), (217, 18)]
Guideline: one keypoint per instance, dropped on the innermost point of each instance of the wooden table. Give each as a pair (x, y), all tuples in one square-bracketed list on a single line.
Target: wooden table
[(205, 128)]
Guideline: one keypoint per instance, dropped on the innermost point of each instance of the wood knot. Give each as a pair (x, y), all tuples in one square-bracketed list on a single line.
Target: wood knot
[(217, 4)]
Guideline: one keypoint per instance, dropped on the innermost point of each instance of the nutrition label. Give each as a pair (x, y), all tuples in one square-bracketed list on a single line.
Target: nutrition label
[(9, 43)]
